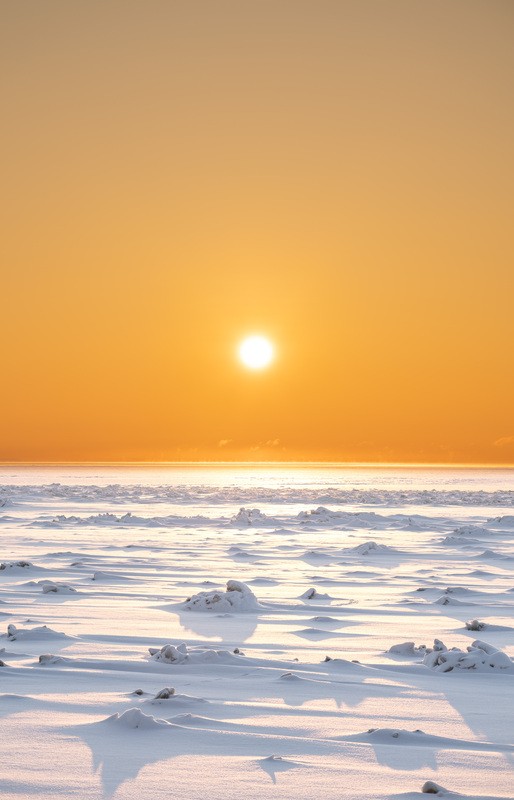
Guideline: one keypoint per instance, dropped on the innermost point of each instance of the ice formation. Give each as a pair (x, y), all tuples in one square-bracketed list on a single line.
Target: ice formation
[(480, 657), (182, 654), (250, 516)]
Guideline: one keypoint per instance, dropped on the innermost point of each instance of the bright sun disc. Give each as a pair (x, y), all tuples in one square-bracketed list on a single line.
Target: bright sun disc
[(256, 352)]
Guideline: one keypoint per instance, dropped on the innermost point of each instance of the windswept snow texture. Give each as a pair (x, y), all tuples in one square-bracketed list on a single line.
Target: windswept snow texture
[(255, 632)]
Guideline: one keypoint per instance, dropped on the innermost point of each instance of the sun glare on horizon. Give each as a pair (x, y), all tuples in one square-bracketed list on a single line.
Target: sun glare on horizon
[(256, 352)]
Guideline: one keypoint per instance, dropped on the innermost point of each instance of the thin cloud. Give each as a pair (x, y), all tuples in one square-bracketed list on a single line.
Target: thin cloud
[(504, 441), (264, 445)]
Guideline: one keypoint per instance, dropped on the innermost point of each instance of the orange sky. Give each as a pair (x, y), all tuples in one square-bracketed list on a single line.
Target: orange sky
[(335, 174)]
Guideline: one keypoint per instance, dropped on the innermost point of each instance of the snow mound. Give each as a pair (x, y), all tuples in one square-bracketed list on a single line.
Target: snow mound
[(243, 555), (15, 564), (317, 554), (237, 597), (325, 516), (246, 517), (460, 590), (185, 719), (471, 530), (170, 654), (480, 657), (182, 654), (100, 576), (320, 516), (313, 594), (385, 734), (429, 787), (42, 632), (165, 693), (489, 554), (475, 625), (370, 548), (446, 600), (407, 649), (56, 587), (134, 718), (454, 541), (177, 700), (49, 660), (290, 676), (506, 521)]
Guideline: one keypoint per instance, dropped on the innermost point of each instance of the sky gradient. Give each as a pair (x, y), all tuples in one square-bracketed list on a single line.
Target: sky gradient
[(335, 175)]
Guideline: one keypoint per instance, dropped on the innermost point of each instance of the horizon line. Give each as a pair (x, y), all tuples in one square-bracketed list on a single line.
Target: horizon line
[(344, 464)]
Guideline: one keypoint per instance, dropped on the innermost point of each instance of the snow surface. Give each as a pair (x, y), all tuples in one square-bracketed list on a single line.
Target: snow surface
[(293, 634)]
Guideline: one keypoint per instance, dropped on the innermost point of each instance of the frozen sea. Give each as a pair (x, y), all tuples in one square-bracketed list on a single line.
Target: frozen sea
[(341, 631)]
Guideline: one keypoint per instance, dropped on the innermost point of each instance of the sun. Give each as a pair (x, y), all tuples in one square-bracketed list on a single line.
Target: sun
[(256, 352)]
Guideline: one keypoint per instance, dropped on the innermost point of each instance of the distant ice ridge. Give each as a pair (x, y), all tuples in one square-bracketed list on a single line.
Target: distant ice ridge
[(312, 519), (326, 516), (124, 520), (245, 518), (202, 495)]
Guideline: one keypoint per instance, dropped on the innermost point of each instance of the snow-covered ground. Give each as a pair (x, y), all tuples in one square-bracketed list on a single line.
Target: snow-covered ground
[(294, 633)]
